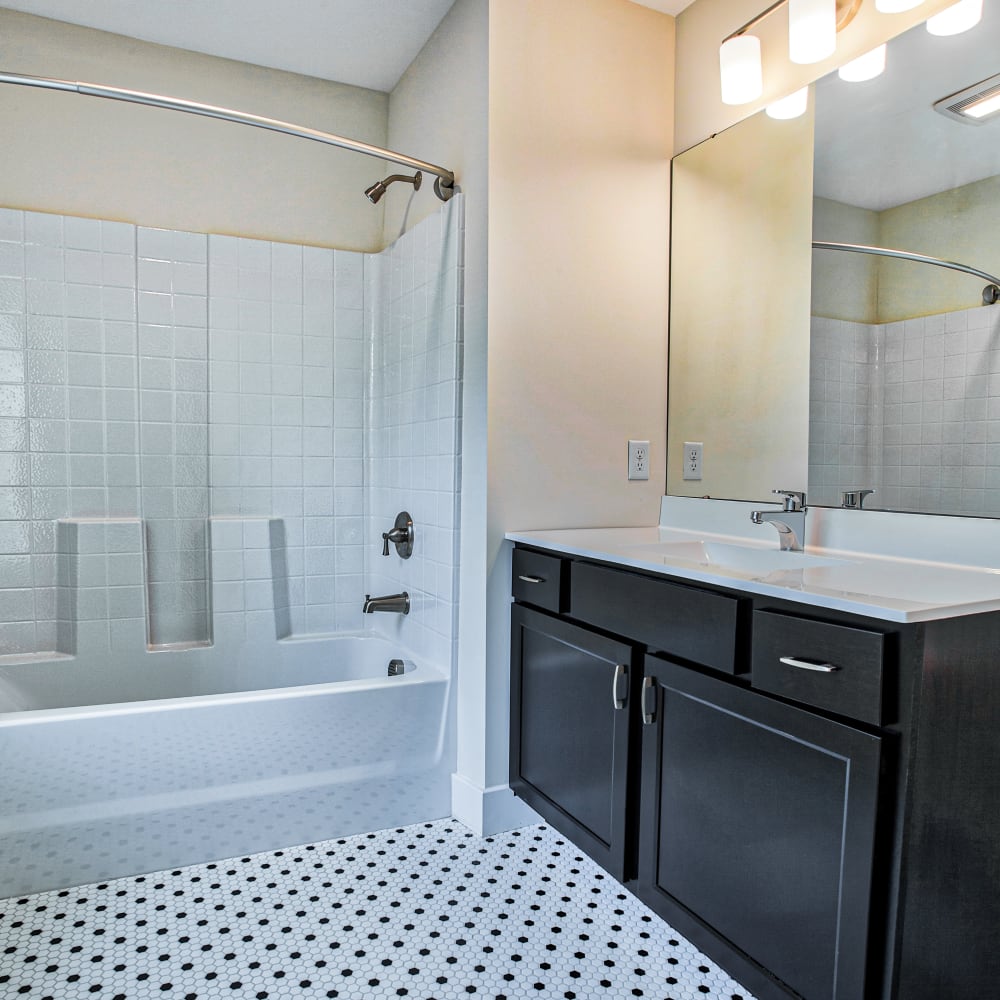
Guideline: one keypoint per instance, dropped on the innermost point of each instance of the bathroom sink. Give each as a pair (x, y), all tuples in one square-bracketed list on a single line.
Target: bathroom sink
[(745, 560)]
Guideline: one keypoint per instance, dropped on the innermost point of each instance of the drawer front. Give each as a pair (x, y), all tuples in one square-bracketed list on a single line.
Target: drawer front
[(835, 667), (696, 625), (538, 580)]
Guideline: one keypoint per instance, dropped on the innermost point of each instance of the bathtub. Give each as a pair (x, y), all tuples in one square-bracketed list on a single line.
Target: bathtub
[(171, 758)]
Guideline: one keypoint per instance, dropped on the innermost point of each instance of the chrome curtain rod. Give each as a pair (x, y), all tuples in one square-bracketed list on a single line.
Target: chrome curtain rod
[(444, 184), (991, 293)]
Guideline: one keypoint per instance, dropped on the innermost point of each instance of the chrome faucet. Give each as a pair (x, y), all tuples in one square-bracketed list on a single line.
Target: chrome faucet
[(790, 522), (399, 603), (854, 499)]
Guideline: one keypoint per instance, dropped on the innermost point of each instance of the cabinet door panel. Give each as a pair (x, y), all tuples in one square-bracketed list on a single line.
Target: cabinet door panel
[(569, 746), (760, 818)]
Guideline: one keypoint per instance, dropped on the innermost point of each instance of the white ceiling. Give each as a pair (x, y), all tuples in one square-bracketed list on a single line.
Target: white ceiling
[(881, 144), (367, 43)]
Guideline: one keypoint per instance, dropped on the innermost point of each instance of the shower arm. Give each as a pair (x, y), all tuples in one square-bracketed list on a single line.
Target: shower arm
[(991, 293), (444, 185)]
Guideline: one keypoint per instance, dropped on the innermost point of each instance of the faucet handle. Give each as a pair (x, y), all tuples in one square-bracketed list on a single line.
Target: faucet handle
[(854, 499), (794, 499)]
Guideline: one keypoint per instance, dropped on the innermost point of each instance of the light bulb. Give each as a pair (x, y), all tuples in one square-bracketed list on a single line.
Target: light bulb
[(812, 30), (896, 6), (957, 18), (739, 65), (791, 106), (865, 67)]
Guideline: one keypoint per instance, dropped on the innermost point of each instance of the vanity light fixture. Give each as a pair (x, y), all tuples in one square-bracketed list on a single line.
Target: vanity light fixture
[(812, 30), (740, 68), (865, 67), (957, 18), (789, 107), (812, 37)]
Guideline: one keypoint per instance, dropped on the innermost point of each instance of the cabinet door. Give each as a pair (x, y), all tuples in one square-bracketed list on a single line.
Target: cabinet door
[(569, 731), (758, 821)]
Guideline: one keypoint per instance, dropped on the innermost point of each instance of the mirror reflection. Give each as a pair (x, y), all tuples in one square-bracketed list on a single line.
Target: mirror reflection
[(896, 361)]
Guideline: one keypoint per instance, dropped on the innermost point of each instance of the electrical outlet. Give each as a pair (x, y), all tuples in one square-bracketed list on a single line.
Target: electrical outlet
[(638, 460), (692, 459)]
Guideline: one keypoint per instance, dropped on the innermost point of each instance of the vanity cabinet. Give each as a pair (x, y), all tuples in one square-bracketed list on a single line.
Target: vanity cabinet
[(758, 820), (811, 797), (571, 762)]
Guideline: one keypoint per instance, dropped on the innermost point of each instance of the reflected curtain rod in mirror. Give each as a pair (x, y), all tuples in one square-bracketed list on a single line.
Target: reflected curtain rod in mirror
[(444, 184), (991, 293)]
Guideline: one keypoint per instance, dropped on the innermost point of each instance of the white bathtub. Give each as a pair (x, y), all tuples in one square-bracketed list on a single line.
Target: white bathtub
[(182, 757)]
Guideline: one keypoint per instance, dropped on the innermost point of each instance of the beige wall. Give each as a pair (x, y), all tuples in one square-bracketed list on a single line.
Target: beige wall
[(699, 111), (739, 321), (85, 156), (437, 112), (845, 285), (580, 141), (958, 225)]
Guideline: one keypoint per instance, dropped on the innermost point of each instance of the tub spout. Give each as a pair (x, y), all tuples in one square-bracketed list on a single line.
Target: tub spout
[(399, 603)]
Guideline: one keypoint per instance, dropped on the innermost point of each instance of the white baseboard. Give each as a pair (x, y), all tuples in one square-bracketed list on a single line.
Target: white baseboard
[(487, 811)]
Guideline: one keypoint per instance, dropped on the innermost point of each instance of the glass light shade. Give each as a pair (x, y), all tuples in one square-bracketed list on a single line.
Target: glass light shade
[(791, 106), (957, 18), (865, 67), (739, 64), (896, 6), (812, 30)]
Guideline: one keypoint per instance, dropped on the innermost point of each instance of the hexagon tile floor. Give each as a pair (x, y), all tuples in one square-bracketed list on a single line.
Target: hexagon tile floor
[(429, 912)]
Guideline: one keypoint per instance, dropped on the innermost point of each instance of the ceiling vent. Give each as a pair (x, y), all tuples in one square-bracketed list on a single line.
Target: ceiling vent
[(975, 105)]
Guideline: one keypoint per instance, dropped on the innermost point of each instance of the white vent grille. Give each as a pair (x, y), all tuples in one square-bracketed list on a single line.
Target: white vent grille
[(956, 106)]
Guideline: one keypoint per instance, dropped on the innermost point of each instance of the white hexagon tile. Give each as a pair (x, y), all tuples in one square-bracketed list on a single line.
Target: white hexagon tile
[(428, 912)]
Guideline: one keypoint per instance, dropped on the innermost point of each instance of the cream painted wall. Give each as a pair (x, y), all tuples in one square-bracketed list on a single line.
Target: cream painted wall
[(959, 225), (699, 111), (739, 354), (580, 140), (953, 225), (437, 112), (845, 285), (85, 156)]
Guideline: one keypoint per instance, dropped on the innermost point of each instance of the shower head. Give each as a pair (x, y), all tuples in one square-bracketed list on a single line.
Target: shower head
[(375, 192)]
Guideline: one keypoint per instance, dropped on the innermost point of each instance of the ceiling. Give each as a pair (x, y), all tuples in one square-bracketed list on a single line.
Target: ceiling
[(881, 144), (367, 43)]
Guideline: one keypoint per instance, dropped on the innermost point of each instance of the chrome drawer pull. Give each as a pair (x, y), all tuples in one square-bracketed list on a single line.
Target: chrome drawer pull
[(621, 673), (823, 668), (531, 579), (648, 710)]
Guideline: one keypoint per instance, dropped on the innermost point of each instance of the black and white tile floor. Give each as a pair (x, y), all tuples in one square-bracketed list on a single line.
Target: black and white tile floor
[(428, 911)]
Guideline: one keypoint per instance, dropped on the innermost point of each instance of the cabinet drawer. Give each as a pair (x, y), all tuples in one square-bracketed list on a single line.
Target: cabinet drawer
[(538, 580), (697, 625), (848, 664)]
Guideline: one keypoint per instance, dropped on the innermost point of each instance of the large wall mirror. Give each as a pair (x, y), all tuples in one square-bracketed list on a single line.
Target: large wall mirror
[(833, 370)]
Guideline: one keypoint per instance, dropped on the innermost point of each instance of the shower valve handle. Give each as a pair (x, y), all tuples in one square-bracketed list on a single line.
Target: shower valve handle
[(401, 535)]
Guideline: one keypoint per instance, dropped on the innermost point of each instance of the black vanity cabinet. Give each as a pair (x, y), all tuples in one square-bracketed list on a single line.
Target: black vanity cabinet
[(758, 820), (811, 797), (571, 689)]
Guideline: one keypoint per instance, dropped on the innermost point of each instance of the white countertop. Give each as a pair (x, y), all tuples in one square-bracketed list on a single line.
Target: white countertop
[(892, 588)]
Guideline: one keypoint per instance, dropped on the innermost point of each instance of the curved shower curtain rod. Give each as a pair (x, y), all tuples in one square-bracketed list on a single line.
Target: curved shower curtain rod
[(444, 185), (991, 293)]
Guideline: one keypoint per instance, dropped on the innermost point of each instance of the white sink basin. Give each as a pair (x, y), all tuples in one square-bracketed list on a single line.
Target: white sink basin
[(745, 560)]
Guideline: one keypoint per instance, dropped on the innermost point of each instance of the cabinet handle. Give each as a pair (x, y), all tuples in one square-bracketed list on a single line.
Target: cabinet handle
[(531, 579), (648, 710), (621, 673), (823, 668)]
